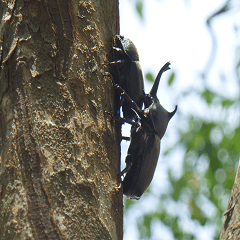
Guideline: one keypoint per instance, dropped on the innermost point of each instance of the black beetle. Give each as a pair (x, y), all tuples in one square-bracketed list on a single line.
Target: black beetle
[(128, 73), (145, 138)]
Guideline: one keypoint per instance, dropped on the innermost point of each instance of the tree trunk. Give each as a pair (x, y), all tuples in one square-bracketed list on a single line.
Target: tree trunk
[(59, 150), (231, 229)]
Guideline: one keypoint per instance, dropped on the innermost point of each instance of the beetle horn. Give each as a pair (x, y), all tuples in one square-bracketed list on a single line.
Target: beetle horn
[(154, 89), (170, 114)]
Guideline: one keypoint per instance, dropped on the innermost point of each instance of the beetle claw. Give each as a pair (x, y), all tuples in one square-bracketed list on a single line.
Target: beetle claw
[(120, 180)]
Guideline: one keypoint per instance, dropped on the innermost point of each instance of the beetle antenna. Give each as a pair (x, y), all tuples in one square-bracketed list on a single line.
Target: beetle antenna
[(170, 114), (154, 89)]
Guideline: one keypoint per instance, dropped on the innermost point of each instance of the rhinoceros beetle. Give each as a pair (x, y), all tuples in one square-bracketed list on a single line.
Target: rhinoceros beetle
[(146, 134), (128, 73)]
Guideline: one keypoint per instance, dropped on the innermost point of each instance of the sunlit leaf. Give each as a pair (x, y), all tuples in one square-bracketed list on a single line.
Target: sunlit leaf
[(208, 96), (197, 213), (128, 203), (171, 78), (149, 77), (139, 8)]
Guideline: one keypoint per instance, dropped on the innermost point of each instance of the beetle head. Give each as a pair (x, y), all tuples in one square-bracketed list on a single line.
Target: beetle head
[(159, 115), (127, 46)]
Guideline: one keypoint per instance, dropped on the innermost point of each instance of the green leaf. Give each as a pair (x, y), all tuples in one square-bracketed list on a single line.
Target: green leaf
[(197, 213), (139, 8), (128, 203), (208, 96), (149, 77), (171, 78)]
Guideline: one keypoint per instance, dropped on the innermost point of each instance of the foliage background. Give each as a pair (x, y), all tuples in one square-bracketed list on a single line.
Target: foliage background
[(200, 152)]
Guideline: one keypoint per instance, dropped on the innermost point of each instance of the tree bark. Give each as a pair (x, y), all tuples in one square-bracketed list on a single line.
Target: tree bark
[(59, 151), (231, 228)]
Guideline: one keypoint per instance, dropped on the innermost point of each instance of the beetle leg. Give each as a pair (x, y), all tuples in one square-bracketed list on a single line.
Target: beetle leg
[(129, 162), (114, 63), (123, 120), (130, 101), (108, 74), (118, 50), (111, 116)]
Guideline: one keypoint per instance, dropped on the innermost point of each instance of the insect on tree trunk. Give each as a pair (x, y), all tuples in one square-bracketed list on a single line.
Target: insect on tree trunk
[(59, 151)]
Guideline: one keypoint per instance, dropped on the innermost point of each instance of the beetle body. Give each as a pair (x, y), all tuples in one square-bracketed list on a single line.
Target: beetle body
[(144, 147), (142, 155), (129, 72)]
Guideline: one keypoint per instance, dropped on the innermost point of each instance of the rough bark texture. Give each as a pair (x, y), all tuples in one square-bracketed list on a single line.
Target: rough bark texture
[(231, 226), (59, 152)]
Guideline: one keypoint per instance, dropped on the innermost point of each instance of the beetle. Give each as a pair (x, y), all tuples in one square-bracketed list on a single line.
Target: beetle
[(128, 73), (145, 138)]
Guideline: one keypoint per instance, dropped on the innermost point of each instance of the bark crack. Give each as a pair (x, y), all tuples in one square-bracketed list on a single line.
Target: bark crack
[(38, 204)]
